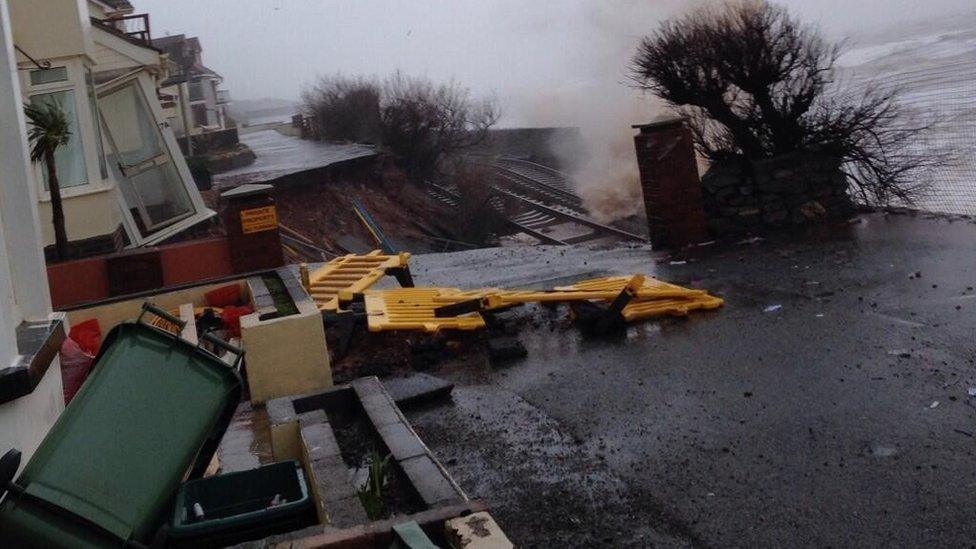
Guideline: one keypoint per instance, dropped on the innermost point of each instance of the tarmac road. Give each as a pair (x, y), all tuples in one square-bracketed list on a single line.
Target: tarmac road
[(842, 418)]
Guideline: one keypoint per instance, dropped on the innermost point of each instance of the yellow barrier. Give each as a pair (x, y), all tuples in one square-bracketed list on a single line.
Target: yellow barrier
[(643, 310), (344, 276), (413, 309), (593, 289)]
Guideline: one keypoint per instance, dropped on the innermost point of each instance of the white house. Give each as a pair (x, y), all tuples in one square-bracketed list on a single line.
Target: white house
[(123, 179), (30, 381)]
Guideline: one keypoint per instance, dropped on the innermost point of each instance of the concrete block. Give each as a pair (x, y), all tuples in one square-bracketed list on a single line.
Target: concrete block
[(380, 409), (319, 441), (476, 531), (285, 356), (346, 512), (402, 441), (429, 480), (312, 417), (366, 386), (280, 410)]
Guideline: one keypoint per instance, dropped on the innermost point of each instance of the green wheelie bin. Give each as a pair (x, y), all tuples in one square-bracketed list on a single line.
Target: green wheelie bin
[(150, 416)]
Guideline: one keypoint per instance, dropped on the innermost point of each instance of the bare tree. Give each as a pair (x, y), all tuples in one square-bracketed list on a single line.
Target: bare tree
[(756, 83), (424, 123), (419, 123), (345, 108)]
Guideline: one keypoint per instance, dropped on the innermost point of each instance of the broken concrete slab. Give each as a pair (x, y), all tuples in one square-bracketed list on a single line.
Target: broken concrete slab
[(416, 389)]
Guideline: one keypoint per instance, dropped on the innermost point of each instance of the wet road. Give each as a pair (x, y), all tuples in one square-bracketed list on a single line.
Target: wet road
[(840, 419)]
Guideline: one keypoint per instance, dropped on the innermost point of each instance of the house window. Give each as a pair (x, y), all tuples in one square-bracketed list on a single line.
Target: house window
[(196, 91), (151, 186), (49, 76), (68, 159), (199, 115)]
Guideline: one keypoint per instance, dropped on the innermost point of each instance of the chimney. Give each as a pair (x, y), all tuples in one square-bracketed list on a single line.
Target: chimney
[(670, 182)]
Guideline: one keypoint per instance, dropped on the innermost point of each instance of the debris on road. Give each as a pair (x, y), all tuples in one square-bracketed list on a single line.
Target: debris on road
[(772, 308)]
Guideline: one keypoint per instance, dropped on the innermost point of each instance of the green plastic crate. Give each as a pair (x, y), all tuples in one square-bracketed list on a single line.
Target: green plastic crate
[(237, 506)]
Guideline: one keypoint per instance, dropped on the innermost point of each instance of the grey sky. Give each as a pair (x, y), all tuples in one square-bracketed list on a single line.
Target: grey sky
[(271, 48)]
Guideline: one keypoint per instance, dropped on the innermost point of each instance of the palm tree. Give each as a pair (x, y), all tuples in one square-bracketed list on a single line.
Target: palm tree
[(49, 130)]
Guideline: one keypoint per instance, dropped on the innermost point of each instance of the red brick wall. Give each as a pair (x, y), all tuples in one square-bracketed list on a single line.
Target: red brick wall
[(671, 185), (84, 280)]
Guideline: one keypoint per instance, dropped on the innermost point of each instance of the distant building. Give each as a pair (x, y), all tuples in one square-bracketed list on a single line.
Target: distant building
[(123, 179), (191, 94)]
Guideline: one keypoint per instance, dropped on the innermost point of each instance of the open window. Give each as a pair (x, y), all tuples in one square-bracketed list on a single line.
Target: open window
[(159, 196)]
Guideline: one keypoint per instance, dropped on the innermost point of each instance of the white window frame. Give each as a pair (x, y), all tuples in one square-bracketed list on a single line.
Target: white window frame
[(75, 83), (201, 212)]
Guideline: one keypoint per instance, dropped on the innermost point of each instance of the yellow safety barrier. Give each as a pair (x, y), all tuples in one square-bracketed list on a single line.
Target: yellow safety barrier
[(649, 288), (416, 308), (413, 309), (344, 276), (645, 309), (593, 289)]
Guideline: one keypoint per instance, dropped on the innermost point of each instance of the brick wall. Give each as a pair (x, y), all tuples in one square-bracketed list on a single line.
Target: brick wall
[(85, 280), (670, 182)]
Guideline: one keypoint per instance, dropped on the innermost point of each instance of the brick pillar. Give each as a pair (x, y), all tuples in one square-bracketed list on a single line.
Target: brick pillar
[(251, 221), (669, 179)]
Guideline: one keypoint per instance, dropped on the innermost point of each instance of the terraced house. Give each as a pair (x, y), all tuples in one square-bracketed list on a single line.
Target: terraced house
[(123, 180)]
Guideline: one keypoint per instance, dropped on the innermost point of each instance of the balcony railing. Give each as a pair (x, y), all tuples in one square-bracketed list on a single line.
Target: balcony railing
[(223, 97), (134, 26)]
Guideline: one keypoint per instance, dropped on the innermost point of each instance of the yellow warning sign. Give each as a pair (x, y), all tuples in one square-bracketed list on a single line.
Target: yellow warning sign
[(259, 219)]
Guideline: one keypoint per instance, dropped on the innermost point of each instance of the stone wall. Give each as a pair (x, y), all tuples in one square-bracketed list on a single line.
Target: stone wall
[(791, 190)]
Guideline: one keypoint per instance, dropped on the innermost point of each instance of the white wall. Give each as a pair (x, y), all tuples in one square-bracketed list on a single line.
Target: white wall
[(25, 421), (51, 28), (23, 276)]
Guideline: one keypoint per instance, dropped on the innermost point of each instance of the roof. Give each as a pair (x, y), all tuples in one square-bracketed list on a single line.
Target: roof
[(183, 51), (165, 42)]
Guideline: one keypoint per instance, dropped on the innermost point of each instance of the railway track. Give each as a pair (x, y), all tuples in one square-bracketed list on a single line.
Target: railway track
[(546, 207)]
